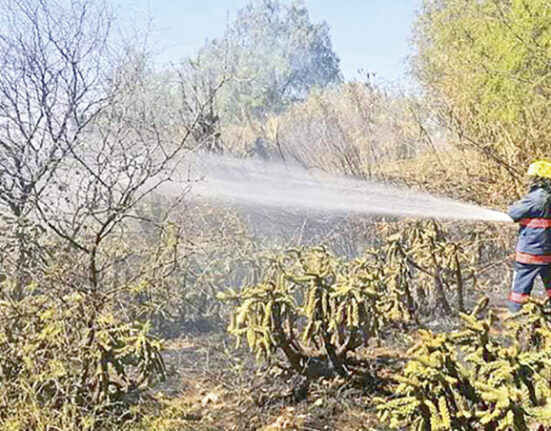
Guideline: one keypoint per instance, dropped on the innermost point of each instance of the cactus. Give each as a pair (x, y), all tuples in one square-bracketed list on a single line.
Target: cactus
[(476, 379)]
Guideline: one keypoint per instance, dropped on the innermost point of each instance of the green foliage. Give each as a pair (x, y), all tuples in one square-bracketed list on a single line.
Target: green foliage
[(274, 55), (483, 377), (67, 363), (488, 62)]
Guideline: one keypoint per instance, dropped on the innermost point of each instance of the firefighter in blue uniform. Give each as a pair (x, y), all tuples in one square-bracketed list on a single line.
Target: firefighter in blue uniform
[(533, 253)]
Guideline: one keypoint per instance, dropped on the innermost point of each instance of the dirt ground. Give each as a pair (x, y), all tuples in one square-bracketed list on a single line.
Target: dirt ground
[(224, 389)]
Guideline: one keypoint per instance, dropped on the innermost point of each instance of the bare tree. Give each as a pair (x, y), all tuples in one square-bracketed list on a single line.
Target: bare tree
[(86, 133), (54, 62), (129, 150), (197, 89)]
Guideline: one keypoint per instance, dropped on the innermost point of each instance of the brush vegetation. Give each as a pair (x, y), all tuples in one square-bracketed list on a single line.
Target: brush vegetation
[(123, 308)]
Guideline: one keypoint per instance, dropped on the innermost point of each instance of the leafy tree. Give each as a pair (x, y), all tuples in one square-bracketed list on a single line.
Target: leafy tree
[(488, 63), (274, 55)]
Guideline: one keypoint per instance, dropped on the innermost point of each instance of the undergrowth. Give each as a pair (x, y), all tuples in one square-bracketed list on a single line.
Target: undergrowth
[(491, 375), (68, 363)]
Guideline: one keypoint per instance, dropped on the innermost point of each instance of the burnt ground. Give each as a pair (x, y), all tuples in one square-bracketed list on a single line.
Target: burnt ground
[(220, 388)]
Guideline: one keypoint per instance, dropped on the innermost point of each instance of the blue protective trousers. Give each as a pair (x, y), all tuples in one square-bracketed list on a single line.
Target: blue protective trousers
[(524, 276)]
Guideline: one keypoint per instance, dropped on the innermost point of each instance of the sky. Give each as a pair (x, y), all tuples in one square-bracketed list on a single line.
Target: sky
[(371, 35)]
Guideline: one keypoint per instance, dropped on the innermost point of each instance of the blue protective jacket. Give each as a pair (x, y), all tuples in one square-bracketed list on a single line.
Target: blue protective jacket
[(533, 211)]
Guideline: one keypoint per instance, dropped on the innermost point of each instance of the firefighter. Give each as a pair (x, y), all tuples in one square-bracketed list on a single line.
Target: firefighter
[(533, 253)]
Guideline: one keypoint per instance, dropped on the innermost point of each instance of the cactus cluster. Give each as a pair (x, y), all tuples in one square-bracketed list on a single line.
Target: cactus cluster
[(311, 304), (493, 374), (315, 307)]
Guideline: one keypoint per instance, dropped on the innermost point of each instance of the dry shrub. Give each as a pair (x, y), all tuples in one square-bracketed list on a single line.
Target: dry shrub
[(240, 138), (460, 173), (352, 130)]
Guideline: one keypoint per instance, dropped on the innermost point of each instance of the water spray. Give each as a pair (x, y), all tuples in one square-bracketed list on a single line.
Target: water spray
[(273, 184)]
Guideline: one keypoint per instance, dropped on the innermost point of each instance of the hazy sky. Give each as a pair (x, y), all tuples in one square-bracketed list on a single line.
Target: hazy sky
[(366, 34)]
